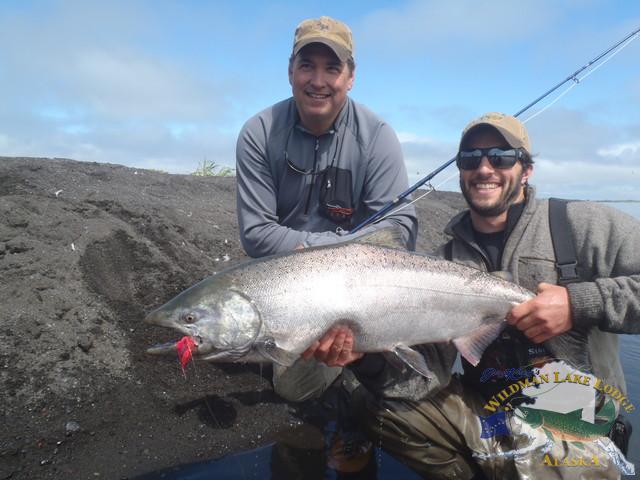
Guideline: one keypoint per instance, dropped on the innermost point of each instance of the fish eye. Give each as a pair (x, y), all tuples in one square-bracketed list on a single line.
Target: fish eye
[(190, 317)]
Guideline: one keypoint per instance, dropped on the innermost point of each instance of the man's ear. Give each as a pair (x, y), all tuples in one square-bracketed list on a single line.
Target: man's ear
[(290, 74), (526, 173), (351, 80)]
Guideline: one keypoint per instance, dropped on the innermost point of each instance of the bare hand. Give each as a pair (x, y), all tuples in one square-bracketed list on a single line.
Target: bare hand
[(545, 316), (335, 348)]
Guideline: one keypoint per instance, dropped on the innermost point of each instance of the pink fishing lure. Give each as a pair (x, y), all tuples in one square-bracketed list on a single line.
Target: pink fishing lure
[(184, 347)]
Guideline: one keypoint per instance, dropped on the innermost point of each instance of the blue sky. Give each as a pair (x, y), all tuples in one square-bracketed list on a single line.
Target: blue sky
[(165, 84)]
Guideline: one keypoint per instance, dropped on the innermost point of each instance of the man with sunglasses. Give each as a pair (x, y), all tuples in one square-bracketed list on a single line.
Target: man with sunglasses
[(443, 429), (313, 166)]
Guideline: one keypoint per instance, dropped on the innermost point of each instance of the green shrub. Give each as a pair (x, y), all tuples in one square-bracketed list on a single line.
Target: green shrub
[(209, 168)]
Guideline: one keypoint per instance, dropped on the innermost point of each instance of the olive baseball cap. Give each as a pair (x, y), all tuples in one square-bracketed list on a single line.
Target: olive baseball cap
[(509, 127), (328, 31)]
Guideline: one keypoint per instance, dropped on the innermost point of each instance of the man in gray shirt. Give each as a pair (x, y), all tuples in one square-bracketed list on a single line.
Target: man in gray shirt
[(312, 167)]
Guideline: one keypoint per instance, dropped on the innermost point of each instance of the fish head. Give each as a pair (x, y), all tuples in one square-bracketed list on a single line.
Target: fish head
[(222, 322)]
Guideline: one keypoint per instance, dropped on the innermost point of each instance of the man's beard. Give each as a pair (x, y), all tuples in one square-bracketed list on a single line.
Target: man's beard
[(501, 205)]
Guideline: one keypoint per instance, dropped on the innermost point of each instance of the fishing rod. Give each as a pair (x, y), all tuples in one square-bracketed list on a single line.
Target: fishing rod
[(573, 77)]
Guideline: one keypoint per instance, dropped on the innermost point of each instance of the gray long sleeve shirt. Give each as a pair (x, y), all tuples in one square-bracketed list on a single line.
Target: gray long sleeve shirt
[(278, 207)]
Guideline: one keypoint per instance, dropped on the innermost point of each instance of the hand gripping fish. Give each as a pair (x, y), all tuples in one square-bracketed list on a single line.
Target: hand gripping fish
[(271, 309)]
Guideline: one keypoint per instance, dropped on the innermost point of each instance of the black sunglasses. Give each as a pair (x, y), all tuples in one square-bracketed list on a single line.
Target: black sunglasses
[(498, 158)]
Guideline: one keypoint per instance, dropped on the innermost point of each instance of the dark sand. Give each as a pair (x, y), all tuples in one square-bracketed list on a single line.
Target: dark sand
[(86, 250)]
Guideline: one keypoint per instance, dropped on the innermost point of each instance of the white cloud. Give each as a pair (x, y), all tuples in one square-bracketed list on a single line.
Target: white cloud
[(423, 154), (440, 27), (568, 135), (130, 84), (4, 143), (586, 180), (137, 144), (97, 82), (410, 138), (76, 129), (627, 152)]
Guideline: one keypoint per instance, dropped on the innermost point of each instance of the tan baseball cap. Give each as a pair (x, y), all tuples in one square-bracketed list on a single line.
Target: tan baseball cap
[(328, 31), (510, 128)]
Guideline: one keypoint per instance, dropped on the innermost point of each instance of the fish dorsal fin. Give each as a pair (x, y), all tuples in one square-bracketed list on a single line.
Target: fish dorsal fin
[(390, 237), (575, 414), (503, 274), (473, 345)]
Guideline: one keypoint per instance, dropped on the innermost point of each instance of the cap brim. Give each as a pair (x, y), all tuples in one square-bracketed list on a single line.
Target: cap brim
[(342, 53)]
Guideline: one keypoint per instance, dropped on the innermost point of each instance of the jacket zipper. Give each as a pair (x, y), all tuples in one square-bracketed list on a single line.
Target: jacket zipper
[(479, 251), (313, 175)]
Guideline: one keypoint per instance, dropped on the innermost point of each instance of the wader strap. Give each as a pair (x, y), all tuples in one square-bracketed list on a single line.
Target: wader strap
[(562, 239)]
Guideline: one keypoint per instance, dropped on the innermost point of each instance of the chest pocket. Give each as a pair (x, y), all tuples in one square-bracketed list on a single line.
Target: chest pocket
[(532, 271), (563, 268)]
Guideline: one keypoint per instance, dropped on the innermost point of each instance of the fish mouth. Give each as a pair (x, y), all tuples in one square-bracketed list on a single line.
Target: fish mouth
[(172, 347), (161, 318)]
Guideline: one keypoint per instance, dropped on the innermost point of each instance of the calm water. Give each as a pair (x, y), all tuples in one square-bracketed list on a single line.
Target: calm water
[(274, 462), (631, 208), (630, 355)]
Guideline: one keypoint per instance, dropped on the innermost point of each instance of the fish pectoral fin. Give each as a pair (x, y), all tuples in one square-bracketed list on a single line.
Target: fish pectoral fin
[(270, 350), (225, 355), (472, 346), (548, 434), (216, 357), (413, 359), (391, 357)]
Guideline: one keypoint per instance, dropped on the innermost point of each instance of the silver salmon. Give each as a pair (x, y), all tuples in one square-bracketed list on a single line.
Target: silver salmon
[(273, 308)]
